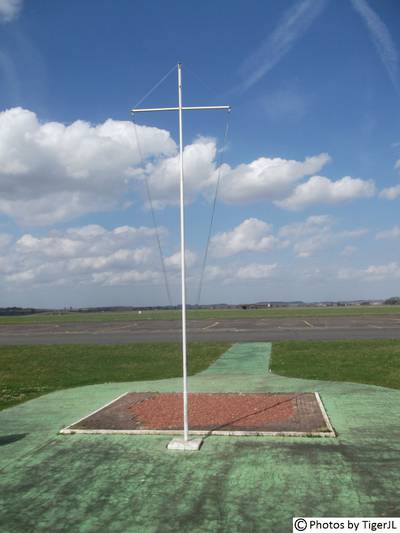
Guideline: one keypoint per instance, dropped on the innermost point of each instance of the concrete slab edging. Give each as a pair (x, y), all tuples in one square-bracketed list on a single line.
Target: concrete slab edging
[(70, 430), (66, 430), (325, 415)]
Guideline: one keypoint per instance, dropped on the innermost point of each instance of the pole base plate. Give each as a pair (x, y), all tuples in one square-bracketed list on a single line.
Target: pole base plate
[(182, 445)]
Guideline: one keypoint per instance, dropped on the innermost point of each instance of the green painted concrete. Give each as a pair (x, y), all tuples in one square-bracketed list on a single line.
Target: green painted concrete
[(124, 483)]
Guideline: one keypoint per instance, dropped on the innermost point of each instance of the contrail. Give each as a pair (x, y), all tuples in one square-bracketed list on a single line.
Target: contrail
[(9, 9), (381, 38), (292, 26)]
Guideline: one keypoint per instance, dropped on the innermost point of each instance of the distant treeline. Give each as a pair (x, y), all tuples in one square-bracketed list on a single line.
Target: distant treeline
[(21, 311), (395, 300), (18, 311)]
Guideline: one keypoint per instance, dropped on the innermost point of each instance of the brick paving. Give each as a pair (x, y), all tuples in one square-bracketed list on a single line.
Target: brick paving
[(254, 412)]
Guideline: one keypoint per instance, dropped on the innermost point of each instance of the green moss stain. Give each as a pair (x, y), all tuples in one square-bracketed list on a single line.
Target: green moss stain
[(92, 483)]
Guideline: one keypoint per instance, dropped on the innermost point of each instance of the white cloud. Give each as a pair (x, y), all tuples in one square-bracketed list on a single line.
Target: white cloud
[(390, 193), (381, 38), (319, 189), (215, 272), (119, 259), (310, 225), (393, 233), (348, 250), (5, 240), (372, 273), (353, 233), (198, 167), (256, 271), (174, 261), (252, 235), (232, 273), (86, 255), (91, 240), (310, 246), (291, 27), (9, 9), (316, 233), (51, 172), (391, 270), (310, 236), (125, 278), (92, 256), (266, 178)]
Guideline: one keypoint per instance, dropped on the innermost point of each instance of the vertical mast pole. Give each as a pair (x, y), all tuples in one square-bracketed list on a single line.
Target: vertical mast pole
[(183, 274), (176, 444)]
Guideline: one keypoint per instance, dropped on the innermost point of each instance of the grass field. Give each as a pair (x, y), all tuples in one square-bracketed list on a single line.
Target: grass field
[(29, 371), (374, 362), (199, 314)]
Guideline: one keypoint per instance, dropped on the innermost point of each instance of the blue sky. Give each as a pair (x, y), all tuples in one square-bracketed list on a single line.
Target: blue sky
[(308, 206)]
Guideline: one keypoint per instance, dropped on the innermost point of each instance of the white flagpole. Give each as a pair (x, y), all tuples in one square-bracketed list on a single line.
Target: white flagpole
[(186, 444), (183, 273)]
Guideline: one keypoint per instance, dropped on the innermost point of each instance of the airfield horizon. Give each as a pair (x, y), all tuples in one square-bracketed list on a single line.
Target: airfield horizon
[(199, 314)]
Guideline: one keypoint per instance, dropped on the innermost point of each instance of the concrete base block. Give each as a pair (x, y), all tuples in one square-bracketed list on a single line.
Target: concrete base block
[(191, 445)]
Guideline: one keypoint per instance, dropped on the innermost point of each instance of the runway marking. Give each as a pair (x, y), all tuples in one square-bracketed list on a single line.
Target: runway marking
[(308, 324), (212, 325), (128, 326)]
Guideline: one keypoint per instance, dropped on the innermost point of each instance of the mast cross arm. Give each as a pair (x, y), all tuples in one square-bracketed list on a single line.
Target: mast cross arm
[(184, 108)]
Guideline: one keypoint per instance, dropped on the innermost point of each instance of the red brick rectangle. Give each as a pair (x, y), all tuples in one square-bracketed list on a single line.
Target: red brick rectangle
[(211, 413)]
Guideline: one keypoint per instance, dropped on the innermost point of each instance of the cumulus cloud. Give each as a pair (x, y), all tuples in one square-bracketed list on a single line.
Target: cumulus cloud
[(309, 236), (93, 256), (9, 9), (5, 240), (86, 255), (51, 172), (393, 233), (390, 193), (256, 271), (306, 237), (91, 240), (233, 273), (311, 245), (310, 225), (215, 273), (348, 250), (372, 273), (124, 278), (353, 233), (173, 261), (252, 235), (390, 270), (321, 190), (266, 178), (199, 172), (316, 233)]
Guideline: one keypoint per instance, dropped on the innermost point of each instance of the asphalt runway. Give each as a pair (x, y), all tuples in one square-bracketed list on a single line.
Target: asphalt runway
[(227, 330)]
